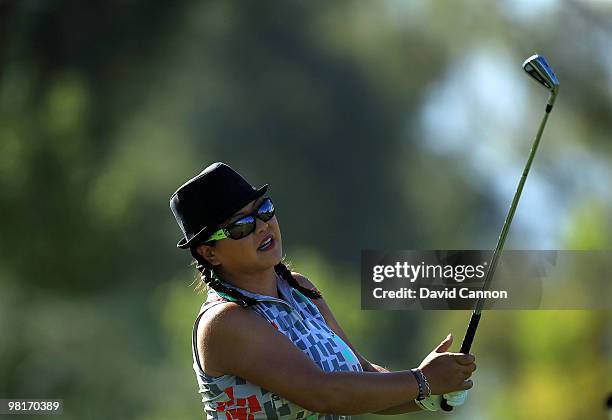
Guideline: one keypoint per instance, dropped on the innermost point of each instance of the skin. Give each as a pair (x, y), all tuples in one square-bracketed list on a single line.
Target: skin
[(240, 262), (227, 329)]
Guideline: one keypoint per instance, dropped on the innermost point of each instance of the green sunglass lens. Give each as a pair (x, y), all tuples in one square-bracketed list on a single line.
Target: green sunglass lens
[(245, 226), (241, 228)]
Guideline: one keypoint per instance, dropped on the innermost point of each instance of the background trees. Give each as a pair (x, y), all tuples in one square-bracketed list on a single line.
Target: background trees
[(378, 125)]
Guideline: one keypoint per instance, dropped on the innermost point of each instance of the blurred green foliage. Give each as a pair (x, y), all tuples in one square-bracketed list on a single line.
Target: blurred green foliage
[(107, 107)]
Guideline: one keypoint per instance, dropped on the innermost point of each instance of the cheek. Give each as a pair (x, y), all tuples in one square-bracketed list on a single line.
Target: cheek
[(275, 226), (233, 252), (277, 233)]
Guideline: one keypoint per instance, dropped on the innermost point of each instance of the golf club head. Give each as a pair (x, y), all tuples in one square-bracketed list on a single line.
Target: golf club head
[(537, 67)]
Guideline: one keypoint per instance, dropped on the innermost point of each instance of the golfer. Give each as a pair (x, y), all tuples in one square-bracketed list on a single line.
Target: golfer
[(265, 344)]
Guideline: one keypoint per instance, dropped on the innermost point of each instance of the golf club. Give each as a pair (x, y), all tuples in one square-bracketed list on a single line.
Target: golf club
[(537, 67)]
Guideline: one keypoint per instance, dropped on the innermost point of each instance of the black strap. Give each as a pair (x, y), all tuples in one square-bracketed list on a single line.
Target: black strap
[(194, 334), (194, 341)]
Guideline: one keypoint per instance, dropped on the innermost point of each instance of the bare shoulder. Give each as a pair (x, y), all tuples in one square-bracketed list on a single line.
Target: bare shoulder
[(213, 330), (227, 316), (238, 341)]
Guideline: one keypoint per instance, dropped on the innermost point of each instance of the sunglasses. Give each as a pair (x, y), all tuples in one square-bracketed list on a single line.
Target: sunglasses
[(245, 225)]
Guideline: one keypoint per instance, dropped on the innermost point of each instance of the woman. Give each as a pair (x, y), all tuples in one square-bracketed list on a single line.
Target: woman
[(265, 343)]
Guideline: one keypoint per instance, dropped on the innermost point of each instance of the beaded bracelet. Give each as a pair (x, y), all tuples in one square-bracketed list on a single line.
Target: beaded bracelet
[(428, 391), (424, 388)]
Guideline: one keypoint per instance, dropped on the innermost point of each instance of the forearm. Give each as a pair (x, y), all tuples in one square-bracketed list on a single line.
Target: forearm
[(352, 393), (406, 407)]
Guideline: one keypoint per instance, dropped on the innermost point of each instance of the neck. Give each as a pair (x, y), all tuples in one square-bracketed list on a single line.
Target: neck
[(260, 282)]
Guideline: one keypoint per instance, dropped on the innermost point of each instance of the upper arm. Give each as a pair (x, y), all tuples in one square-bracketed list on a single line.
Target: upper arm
[(241, 343), (332, 323)]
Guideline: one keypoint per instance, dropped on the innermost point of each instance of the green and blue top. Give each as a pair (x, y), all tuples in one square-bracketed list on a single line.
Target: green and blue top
[(231, 397)]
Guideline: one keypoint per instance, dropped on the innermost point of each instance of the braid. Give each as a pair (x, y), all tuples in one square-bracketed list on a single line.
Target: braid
[(282, 270), (212, 281), (208, 277)]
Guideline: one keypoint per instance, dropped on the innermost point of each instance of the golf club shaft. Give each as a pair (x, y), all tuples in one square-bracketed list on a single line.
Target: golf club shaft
[(475, 318), (504, 232)]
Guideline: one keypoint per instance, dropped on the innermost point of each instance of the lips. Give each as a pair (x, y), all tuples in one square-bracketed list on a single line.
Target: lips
[(266, 243)]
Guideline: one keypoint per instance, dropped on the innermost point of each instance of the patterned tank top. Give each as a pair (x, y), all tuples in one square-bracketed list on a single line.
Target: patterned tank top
[(229, 397)]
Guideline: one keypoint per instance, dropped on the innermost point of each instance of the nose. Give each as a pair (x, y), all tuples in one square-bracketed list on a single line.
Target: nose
[(261, 226)]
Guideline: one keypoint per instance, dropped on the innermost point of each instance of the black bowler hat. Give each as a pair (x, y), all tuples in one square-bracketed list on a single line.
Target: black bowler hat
[(201, 204)]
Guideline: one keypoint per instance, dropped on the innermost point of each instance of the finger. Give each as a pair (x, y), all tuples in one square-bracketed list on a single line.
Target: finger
[(445, 344), (468, 369), (464, 359), (467, 384)]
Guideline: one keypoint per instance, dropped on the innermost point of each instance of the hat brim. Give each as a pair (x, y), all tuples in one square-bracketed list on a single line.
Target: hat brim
[(208, 230)]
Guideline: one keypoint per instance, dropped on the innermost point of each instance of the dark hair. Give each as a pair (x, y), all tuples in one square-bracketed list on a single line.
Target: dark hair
[(207, 279)]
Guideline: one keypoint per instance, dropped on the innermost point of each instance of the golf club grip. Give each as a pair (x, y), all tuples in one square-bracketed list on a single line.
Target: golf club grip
[(466, 345), (465, 348)]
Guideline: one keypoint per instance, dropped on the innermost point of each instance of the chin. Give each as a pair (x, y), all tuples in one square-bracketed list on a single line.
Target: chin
[(273, 256), (278, 256)]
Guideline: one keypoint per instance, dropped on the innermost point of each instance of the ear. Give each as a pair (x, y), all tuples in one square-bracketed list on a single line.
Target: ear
[(208, 253)]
